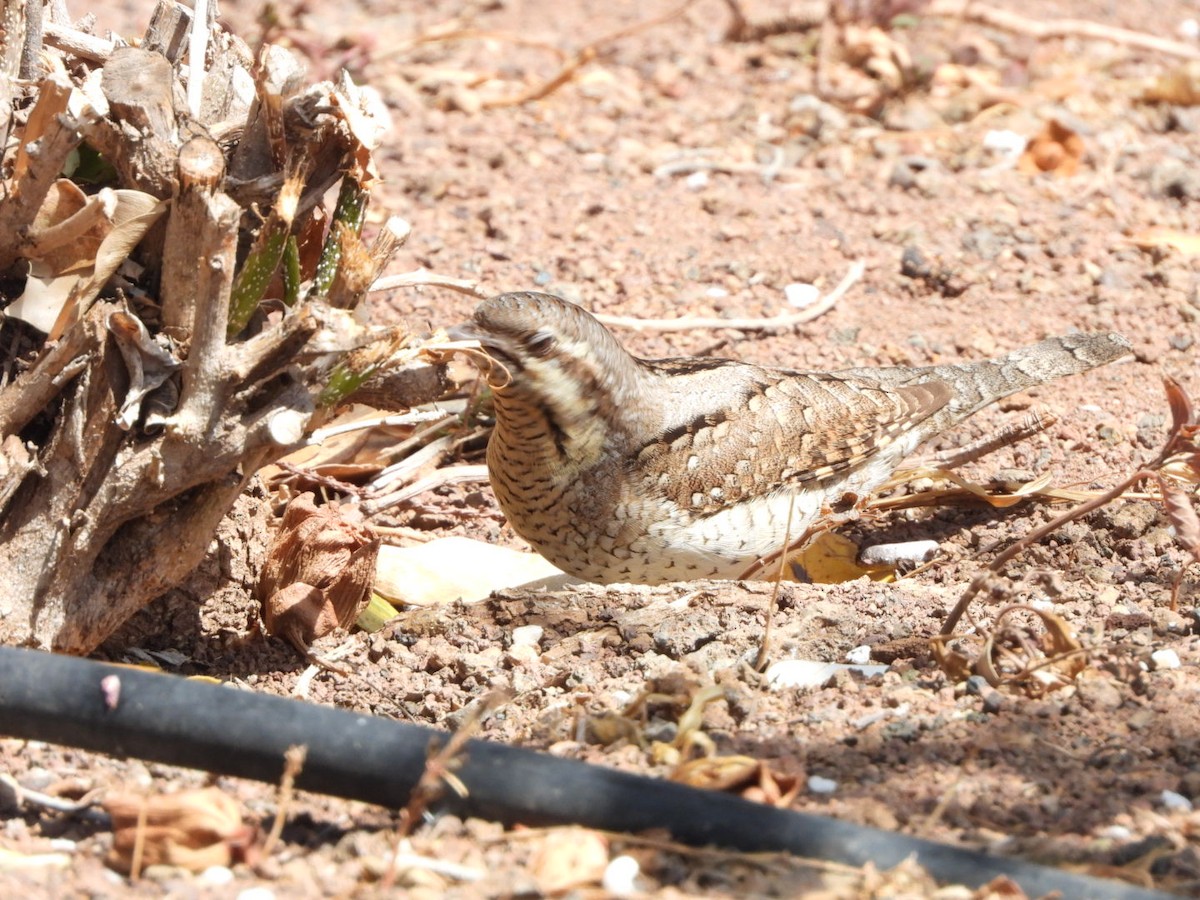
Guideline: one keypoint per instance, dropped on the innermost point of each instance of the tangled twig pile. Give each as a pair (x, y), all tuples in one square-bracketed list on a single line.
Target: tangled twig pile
[(178, 302)]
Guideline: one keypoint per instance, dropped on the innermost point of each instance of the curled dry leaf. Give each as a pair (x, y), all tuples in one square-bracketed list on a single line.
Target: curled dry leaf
[(147, 363), (318, 572), (750, 778), (1063, 653), (67, 278), (190, 829), (569, 858), (1056, 149), (1182, 515)]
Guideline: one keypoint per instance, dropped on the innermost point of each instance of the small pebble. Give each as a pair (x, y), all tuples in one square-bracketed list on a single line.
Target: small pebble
[(801, 295), (697, 181), (1176, 802), (1115, 833), (819, 785), (905, 553), (216, 876), (1189, 29), (256, 893), (859, 656), (527, 635), (805, 673), (1005, 143), (977, 685), (619, 876), (1165, 659)]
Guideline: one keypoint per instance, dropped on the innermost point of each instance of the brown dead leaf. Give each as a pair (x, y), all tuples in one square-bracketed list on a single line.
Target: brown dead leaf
[(569, 858), (1062, 659), (1182, 515), (318, 572), (1000, 888), (957, 666), (831, 558), (191, 829), (750, 778), (1055, 149), (718, 773), (1178, 87)]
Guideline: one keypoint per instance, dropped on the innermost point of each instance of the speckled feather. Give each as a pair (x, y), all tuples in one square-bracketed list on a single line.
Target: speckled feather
[(622, 469)]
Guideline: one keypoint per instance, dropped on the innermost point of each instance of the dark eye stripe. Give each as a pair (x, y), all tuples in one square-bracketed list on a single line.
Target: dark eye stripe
[(540, 344)]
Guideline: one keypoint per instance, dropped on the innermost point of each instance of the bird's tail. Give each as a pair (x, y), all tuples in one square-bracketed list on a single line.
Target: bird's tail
[(975, 385)]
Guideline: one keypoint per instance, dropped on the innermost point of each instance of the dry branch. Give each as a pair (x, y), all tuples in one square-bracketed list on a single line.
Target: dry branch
[(125, 441), (1047, 29)]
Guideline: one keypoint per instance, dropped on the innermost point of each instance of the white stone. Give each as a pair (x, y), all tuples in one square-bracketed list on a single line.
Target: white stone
[(216, 876), (620, 875), (819, 785), (801, 295), (527, 636), (1165, 659), (1175, 802), (859, 656)]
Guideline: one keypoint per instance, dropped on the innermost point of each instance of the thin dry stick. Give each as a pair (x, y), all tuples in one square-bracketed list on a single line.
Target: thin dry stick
[(1037, 534), (760, 661), (197, 49), (689, 323), (424, 278), (1035, 422), (582, 58), (436, 777), (139, 841), (1055, 28), (450, 475), (293, 763)]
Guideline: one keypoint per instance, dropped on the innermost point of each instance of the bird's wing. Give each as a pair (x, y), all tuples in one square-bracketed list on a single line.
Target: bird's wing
[(792, 429)]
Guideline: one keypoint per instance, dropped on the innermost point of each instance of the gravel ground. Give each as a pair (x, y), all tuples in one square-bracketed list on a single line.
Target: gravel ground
[(683, 173)]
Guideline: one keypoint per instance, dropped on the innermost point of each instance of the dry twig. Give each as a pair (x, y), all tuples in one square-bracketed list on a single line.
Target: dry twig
[(1179, 456), (770, 323), (1043, 30)]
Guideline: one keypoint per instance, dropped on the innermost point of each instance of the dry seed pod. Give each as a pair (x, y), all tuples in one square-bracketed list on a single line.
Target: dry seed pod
[(318, 573), (191, 829)]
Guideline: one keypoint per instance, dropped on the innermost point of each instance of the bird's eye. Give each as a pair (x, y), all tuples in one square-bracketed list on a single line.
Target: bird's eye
[(540, 344)]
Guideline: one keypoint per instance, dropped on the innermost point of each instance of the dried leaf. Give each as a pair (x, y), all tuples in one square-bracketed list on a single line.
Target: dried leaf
[(956, 665), (1182, 515), (751, 778), (831, 558), (1180, 403), (318, 572), (718, 773), (1062, 663), (147, 363), (1178, 87), (191, 829), (53, 299), (456, 569), (1055, 149), (569, 858), (998, 888)]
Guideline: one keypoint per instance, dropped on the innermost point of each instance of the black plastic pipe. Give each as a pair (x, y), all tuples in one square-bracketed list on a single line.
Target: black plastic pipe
[(173, 720)]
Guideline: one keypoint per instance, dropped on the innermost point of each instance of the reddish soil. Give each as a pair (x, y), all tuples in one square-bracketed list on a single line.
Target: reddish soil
[(682, 173)]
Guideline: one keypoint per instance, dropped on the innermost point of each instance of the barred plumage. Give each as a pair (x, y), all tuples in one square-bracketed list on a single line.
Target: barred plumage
[(619, 469)]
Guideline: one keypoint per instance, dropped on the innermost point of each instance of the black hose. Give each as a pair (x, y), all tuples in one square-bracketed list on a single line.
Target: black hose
[(221, 729)]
